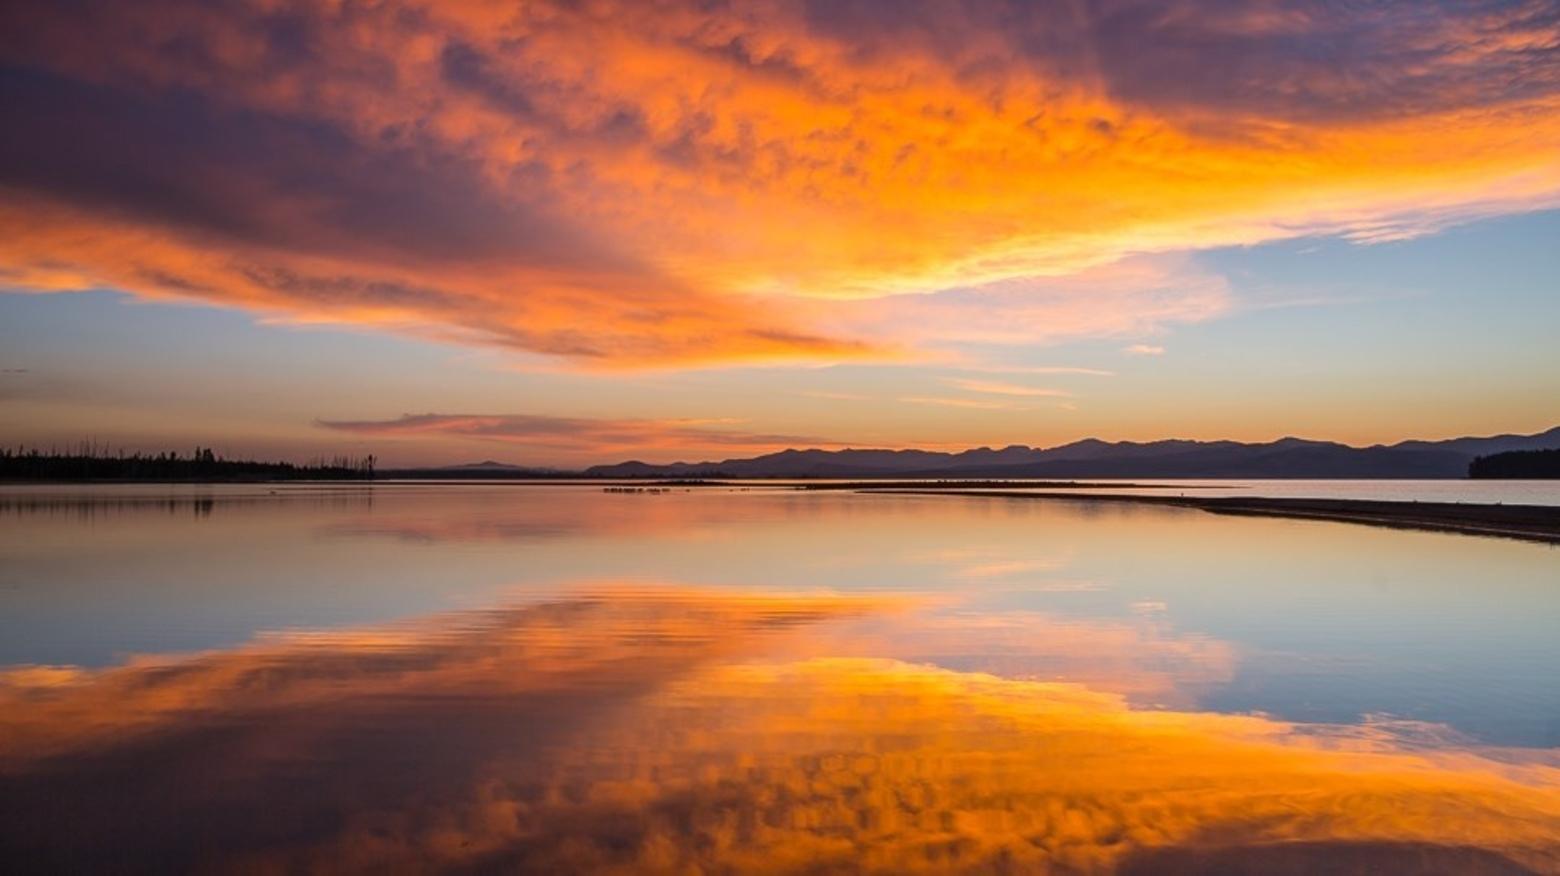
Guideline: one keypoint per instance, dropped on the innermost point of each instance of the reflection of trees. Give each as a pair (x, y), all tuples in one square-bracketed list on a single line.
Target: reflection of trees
[(89, 506)]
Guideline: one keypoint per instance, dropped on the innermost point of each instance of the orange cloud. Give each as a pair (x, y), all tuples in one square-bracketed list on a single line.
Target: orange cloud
[(631, 184)]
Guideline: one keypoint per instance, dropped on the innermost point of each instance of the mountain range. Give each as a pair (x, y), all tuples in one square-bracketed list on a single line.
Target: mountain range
[(1093, 458)]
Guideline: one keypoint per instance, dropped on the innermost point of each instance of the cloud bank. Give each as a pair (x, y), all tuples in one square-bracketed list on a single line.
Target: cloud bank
[(674, 183)]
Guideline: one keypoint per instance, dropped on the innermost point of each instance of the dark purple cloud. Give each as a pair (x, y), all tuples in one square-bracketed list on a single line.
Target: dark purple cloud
[(583, 434)]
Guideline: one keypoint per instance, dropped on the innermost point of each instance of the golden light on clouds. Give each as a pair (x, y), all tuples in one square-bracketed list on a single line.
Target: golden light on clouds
[(633, 184)]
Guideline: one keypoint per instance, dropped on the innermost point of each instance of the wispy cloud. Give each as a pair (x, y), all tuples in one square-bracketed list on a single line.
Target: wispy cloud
[(980, 404), (1002, 569), (992, 387), (832, 396), (1143, 350), (1037, 369)]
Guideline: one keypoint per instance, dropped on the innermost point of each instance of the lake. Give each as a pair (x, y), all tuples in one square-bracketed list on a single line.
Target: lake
[(1480, 492), (561, 679)]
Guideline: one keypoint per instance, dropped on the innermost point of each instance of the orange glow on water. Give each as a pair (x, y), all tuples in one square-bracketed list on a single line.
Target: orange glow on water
[(658, 730)]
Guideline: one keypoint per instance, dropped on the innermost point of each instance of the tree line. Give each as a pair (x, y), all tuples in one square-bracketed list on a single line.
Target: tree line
[(89, 462), (1517, 464)]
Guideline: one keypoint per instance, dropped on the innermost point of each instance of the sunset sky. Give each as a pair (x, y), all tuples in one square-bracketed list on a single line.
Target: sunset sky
[(565, 233)]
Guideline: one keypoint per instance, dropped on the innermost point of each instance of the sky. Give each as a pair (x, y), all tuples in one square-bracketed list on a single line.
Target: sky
[(566, 233)]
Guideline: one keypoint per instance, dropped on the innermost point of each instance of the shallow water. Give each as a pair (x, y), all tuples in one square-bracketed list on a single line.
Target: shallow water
[(1481, 492), (557, 678)]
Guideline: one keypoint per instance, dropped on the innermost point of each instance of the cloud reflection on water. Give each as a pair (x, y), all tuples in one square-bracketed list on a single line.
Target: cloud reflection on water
[(666, 729)]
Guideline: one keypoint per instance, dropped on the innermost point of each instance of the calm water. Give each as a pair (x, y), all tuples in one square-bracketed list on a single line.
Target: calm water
[(1469, 491), (1514, 492), (557, 679)]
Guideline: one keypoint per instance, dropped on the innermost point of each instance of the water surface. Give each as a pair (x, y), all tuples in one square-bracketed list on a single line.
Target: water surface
[(557, 678), (1478, 492)]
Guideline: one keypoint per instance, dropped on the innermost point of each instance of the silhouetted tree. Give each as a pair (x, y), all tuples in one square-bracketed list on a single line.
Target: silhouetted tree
[(93, 463), (1517, 464)]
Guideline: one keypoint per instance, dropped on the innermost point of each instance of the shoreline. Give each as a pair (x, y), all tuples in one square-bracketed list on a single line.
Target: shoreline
[(1533, 523), (785, 483), (1537, 523)]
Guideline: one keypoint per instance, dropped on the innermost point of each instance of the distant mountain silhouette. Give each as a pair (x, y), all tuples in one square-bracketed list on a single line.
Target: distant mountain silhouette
[(486, 469), (1093, 458)]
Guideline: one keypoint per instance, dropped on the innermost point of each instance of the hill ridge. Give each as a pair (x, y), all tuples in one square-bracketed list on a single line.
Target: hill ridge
[(1286, 457)]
